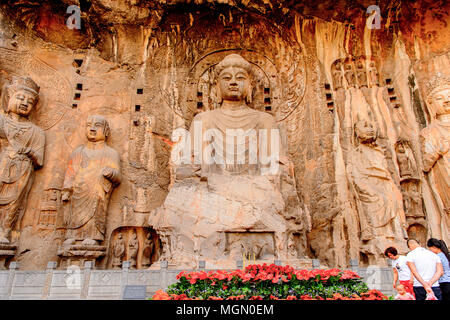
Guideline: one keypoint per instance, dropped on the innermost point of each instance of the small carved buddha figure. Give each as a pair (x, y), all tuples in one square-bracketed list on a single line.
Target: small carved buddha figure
[(133, 248), (147, 253), (118, 251), (92, 174), (22, 151), (373, 74), (435, 142), (406, 165), (349, 73), (336, 73), (361, 72)]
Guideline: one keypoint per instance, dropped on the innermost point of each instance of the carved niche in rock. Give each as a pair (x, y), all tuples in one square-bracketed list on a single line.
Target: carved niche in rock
[(405, 159), (138, 245), (21, 153), (337, 75), (419, 232), (221, 186)]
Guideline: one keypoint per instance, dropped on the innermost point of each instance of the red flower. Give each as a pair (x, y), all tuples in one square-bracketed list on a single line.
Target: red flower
[(256, 298), (161, 295)]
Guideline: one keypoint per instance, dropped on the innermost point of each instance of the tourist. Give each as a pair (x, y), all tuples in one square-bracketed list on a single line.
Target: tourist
[(426, 268), (401, 270), (440, 248), (402, 294)]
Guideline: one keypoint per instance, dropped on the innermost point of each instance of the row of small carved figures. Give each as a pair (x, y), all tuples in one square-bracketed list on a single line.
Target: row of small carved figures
[(357, 72)]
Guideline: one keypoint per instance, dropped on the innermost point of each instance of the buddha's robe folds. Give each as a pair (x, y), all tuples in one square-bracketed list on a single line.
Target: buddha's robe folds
[(17, 170), (253, 139), (435, 141), (380, 200), (91, 191)]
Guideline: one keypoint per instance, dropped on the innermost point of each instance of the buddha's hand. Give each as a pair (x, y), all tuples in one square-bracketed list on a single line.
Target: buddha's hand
[(65, 195), (108, 172)]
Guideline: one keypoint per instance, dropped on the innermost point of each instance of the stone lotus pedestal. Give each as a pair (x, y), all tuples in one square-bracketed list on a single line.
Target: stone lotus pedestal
[(7, 251), (76, 254)]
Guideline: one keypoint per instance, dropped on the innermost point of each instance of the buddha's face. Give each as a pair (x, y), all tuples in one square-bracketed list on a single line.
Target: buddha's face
[(365, 131), (234, 83), (440, 102), (22, 102), (95, 129)]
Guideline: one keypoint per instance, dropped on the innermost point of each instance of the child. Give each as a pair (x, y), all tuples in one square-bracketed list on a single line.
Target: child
[(402, 294)]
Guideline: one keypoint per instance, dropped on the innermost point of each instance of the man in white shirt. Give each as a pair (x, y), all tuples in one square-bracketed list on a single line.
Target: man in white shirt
[(402, 273), (426, 268)]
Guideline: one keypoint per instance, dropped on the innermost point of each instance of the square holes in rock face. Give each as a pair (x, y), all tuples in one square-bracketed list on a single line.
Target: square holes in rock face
[(140, 91), (77, 96), (137, 108), (78, 62), (79, 86)]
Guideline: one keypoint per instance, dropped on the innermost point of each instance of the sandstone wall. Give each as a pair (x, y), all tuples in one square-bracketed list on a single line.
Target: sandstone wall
[(141, 66)]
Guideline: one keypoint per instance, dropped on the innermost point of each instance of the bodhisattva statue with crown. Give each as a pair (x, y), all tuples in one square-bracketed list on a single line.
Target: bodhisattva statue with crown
[(234, 184), (22, 151), (435, 145)]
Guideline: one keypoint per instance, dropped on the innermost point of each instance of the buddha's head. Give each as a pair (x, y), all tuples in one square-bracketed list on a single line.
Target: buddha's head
[(233, 77), (97, 128), (365, 131), (438, 95), (22, 96), (439, 101)]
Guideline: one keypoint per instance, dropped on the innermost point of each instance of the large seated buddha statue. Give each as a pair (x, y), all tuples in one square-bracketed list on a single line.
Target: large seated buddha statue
[(234, 195)]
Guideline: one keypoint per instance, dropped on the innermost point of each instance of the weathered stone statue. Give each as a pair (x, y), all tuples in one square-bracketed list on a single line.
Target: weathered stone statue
[(336, 73), (147, 252), (406, 163), (232, 188), (361, 72), (118, 251), (435, 144), (22, 151), (92, 174), (230, 137), (382, 218), (133, 248), (349, 73), (373, 74)]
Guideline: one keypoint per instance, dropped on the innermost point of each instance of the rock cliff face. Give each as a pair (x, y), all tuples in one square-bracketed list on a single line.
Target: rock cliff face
[(363, 113)]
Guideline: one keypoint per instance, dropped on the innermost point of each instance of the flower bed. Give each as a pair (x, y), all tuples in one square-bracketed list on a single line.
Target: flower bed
[(269, 282)]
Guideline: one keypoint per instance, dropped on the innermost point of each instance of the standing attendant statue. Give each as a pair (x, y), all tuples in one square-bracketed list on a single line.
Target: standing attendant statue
[(21, 151), (92, 174)]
